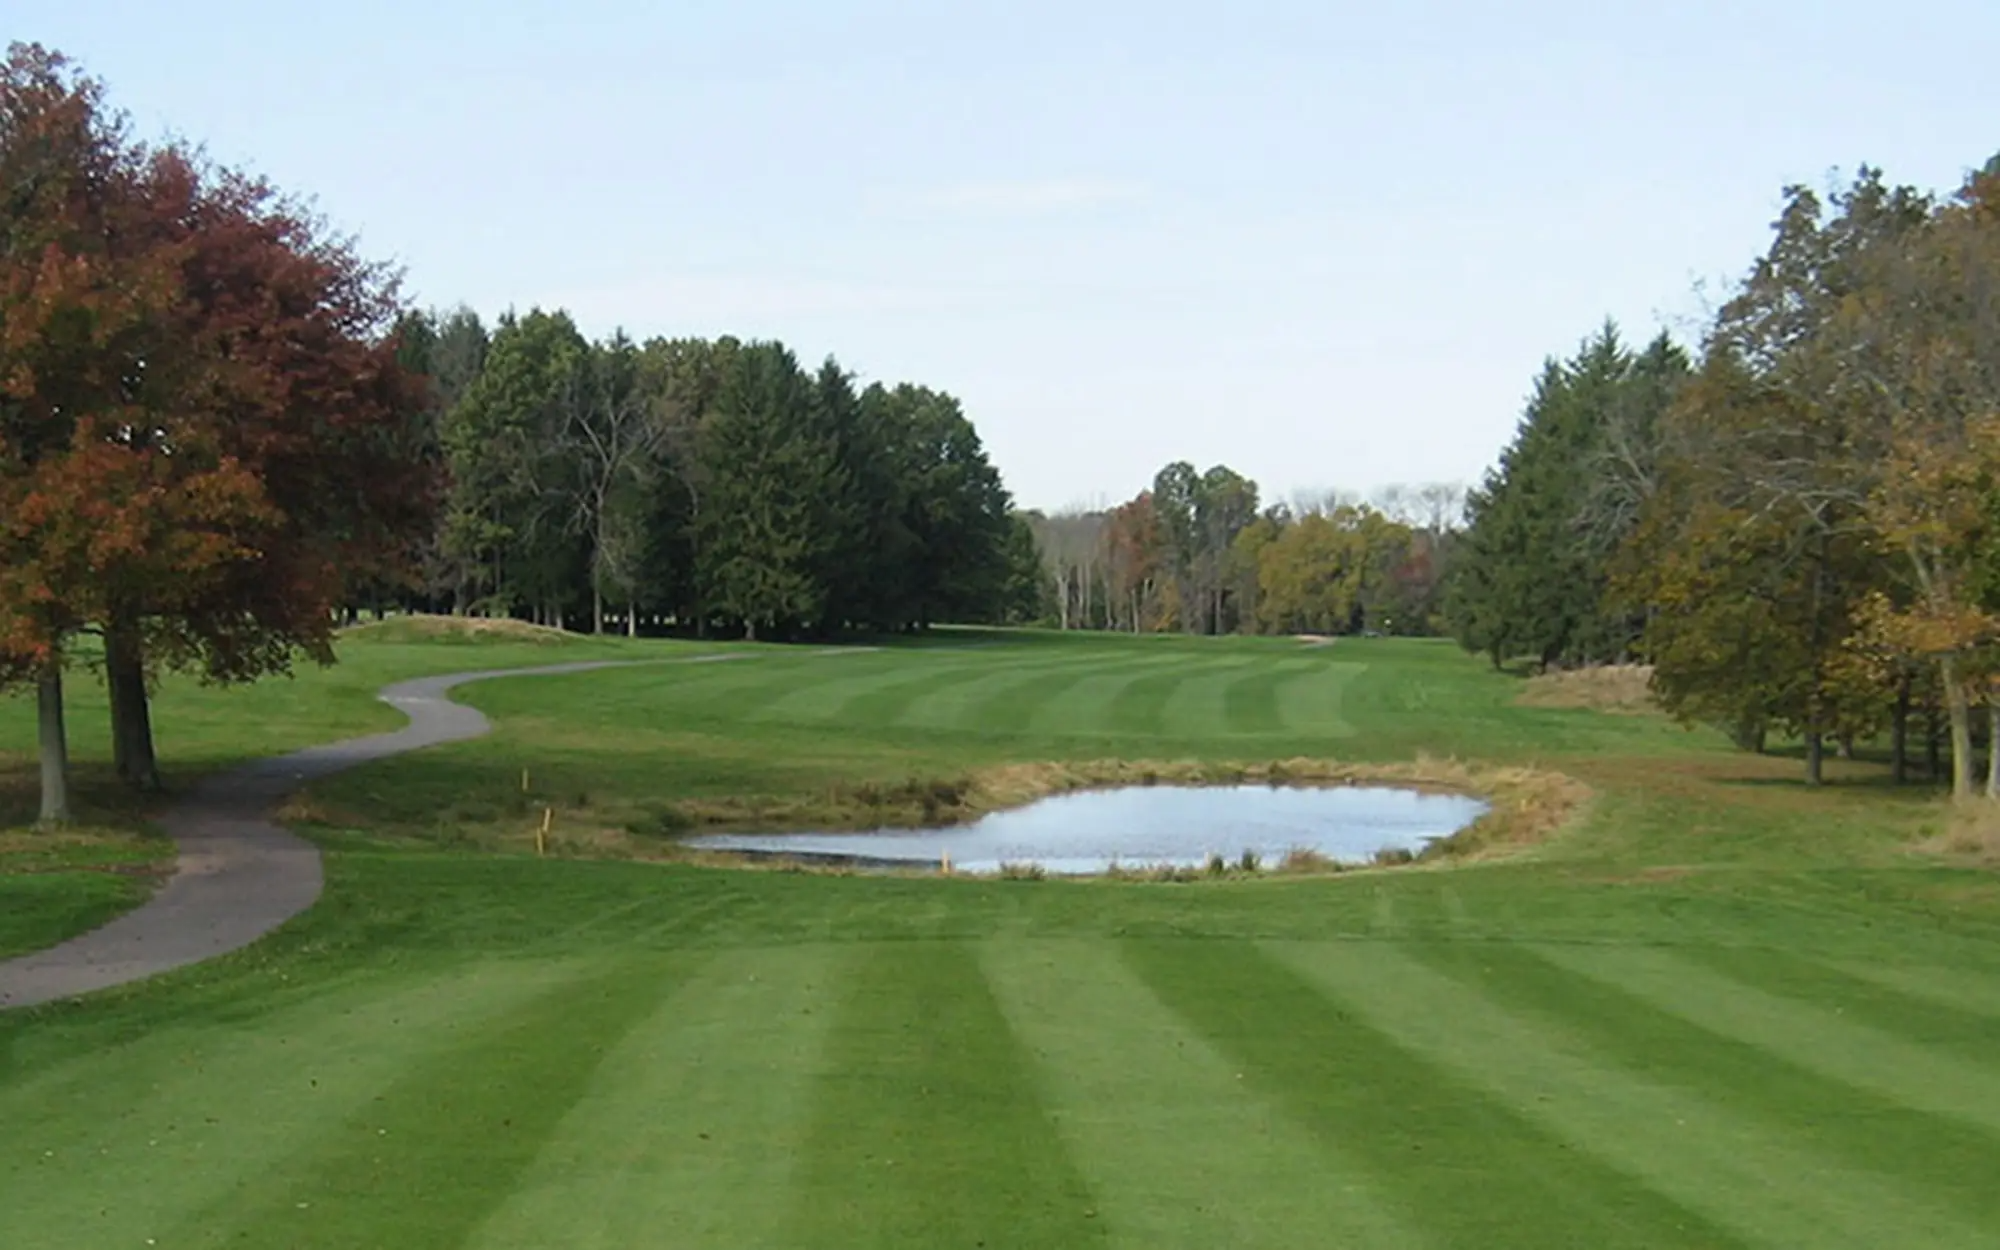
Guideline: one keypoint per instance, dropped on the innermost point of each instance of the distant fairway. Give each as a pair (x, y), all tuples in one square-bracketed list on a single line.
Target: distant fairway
[(1722, 1011)]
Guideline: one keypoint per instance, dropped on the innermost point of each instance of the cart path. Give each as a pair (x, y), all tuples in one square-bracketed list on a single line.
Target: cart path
[(238, 874)]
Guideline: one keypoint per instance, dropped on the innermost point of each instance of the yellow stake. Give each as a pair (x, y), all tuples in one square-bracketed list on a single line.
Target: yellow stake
[(542, 834), (945, 866), (524, 781)]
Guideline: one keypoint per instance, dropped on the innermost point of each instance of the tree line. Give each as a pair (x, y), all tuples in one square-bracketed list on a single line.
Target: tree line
[(222, 430), (1195, 553), (1798, 523), (711, 485)]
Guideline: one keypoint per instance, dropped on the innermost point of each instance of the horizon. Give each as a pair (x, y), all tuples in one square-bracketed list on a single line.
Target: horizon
[(1330, 250)]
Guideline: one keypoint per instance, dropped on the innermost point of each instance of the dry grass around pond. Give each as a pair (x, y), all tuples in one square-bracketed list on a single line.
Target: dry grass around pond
[(1620, 689), (1527, 807)]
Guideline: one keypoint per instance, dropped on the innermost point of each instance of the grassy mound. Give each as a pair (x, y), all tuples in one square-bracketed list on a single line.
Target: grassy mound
[(1624, 689), (475, 630)]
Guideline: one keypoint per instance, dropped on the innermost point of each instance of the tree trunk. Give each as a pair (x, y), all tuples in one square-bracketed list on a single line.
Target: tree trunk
[(1899, 733), (1993, 748), (631, 620), (1816, 692), (596, 609), (132, 753), (1959, 709), (55, 749), (1933, 742)]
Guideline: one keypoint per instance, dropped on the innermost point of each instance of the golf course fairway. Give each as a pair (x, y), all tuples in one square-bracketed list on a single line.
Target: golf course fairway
[(1715, 1009)]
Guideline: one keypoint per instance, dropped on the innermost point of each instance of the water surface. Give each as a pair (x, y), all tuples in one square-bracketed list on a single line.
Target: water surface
[(1090, 830)]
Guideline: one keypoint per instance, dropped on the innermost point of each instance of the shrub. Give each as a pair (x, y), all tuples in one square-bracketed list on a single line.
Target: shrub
[(1302, 859), (664, 821)]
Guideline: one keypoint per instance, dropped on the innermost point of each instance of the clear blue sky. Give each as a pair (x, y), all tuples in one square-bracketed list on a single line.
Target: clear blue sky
[(1325, 243)]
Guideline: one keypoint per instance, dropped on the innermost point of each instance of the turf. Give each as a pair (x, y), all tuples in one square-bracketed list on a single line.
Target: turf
[(1721, 1010)]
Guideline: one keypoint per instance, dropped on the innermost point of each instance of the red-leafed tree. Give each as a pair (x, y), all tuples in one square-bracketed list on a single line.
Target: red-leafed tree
[(204, 432)]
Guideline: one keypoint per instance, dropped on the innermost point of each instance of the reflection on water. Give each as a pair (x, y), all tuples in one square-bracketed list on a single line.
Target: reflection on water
[(1089, 831)]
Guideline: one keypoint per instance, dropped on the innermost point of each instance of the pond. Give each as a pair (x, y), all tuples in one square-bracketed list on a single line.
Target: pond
[(1141, 826)]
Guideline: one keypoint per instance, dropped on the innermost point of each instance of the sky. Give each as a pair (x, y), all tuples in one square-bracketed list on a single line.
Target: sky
[(1327, 244)]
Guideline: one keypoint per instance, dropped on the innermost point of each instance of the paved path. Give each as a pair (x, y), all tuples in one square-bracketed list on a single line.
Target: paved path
[(238, 875)]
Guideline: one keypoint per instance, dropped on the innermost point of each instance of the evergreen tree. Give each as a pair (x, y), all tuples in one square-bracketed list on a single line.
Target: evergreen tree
[(1530, 573), (765, 530)]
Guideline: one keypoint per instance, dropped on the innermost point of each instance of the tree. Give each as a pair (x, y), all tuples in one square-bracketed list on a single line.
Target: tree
[(955, 507), (517, 478), (1922, 332), (1531, 569), (1072, 543), (613, 430), (1755, 562), (205, 435), (1225, 504), (1137, 565), (762, 537), (449, 350)]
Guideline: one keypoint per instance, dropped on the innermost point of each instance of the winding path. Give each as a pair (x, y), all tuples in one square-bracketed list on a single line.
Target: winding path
[(239, 875)]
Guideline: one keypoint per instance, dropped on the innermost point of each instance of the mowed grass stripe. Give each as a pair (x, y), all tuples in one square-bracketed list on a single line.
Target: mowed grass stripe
[(1925, 1155), (927, 1128), (1974, 1036), (690, 1127), (891, 703), (1720, 1169), (1140, 708), (1019, 707), (1464, 1168), (1015, 709), (1089, 705), (443, 1147), (960, 705), (851, 691), (1820, 1039), (1959, 989), (642, 695), (1311, 704), (1195, 709), (1250, 700), (124, 1143), (1178, 1151)]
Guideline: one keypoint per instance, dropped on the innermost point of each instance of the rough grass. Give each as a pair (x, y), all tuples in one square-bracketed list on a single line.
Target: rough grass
[(56, 884), (1971, 834), (1718, 1010), (1623, 689)]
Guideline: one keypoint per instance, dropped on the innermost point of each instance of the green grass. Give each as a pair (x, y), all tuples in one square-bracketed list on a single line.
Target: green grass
[(1720, 1010)]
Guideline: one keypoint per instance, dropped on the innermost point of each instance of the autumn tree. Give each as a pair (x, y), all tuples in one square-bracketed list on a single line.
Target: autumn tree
[(205, 435), (1753, 567), (1136, 566), (1919, 338)]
